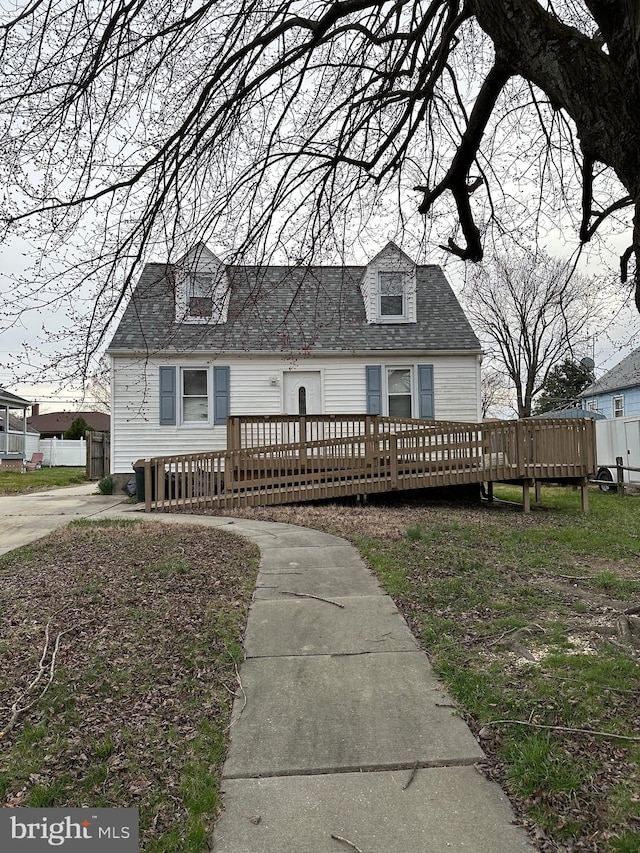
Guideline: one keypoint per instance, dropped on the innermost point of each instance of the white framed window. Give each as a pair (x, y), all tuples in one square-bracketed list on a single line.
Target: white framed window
[(592, 406), (392, 296), (200, 291), (195, 395), (399, 391), (617, 404)]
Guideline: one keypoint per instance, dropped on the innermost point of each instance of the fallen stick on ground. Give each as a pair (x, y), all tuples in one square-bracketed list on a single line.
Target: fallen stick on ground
[(308, 595), (560, 729), (17, 711), (414, 770), (346, 841)]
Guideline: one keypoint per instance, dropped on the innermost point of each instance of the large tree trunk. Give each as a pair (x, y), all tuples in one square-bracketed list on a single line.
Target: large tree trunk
[(599, 90)]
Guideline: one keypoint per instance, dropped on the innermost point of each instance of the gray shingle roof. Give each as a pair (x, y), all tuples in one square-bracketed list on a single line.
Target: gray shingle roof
[(292, 310), (625, 374)]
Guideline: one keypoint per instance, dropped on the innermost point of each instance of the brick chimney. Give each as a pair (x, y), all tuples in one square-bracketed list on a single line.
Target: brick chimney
[(35, 410)]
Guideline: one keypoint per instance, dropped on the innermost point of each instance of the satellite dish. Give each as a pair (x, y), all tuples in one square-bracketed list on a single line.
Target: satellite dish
[(587, 363)]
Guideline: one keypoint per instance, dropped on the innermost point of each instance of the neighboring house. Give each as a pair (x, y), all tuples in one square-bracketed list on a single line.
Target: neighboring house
[(617, 393), (55, 424), (17, 440), (200, 340), (571, 413)]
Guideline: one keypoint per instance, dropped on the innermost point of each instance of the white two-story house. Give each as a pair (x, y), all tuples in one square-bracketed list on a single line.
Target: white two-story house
[(201, 340)]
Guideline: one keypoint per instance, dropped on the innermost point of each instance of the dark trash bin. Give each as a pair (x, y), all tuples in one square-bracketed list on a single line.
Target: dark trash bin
[(140, 491)]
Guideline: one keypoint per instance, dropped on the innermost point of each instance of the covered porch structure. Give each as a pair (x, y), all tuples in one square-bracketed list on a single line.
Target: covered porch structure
[(13, 430)]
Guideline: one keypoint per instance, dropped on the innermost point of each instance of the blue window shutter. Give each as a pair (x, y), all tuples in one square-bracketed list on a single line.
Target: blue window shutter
[(374, 389), (220, 395), (167, 395), (426, 408)]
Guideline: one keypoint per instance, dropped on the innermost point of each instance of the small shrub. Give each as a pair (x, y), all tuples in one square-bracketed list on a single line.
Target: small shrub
[(105, 486)]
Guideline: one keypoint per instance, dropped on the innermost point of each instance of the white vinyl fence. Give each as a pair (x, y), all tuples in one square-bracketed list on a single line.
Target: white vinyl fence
[(31, 445), (58, 452)]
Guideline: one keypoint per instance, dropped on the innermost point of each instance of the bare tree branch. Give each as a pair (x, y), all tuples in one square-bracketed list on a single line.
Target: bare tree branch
[(130, 129)]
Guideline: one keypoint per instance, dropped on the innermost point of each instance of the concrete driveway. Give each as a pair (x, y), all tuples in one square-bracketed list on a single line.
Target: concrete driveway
[(25, 518)]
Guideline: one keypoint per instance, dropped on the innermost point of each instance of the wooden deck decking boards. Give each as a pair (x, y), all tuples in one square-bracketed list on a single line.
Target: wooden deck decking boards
[(358, 455)]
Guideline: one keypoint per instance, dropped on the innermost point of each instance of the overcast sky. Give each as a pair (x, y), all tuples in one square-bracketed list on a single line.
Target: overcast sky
[(614, 337)]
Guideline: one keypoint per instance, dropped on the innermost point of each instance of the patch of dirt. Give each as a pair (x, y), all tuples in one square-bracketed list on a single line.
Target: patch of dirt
[(132, 625), (377, 519)]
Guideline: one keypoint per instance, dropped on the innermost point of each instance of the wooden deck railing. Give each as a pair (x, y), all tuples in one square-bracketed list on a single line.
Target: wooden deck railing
[(387, 454), (244, 431)]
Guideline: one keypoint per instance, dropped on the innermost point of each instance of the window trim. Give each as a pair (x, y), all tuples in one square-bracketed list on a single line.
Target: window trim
[(171, 395), (392, 318), (423, 397), (617, 411), (386, 370), (215, 290), (203, 421)]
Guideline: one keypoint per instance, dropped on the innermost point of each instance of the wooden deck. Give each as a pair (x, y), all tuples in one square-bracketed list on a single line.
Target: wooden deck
[(281, 459)]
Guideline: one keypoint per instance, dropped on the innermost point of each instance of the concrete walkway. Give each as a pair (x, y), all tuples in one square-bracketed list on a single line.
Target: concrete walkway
[(341, 737), (338, 708), (25, 518)]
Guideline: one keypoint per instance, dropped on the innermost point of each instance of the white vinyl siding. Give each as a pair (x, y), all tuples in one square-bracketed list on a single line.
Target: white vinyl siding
[(256, 387)]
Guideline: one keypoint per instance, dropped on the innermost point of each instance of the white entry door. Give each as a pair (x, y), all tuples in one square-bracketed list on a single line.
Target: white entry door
[(302, 392)]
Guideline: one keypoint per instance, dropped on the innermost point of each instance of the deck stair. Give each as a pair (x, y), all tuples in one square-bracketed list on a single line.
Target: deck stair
[(283, 459)]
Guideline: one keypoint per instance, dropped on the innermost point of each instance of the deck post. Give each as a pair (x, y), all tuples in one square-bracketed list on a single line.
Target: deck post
[(302, 443), (519, 449), (620, 476), (584, 494), (229, 479), (526, 496), (147, 485), (393, 452), (233, 433), (490, 491), (537, 491)]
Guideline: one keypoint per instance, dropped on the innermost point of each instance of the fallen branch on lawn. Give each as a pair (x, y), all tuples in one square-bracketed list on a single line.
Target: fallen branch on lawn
[(308, 595), (588, 577), (518, 632), (242, 691), (560, 729), (574, 577), (16, 710), (626, 629)]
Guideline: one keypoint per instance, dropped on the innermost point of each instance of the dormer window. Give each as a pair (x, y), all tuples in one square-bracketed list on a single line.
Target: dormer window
[(391, 287), (200, 289)]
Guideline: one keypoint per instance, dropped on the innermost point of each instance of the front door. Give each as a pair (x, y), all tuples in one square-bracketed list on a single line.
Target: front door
[(302, 392)]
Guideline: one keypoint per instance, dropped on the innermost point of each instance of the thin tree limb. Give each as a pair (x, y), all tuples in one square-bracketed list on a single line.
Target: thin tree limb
[(347, 842), (308, 595), (16, 710), (412, 775), (566, 729)]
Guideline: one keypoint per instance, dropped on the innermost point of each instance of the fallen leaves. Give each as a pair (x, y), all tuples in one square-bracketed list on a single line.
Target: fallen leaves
[(140, 685)]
